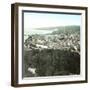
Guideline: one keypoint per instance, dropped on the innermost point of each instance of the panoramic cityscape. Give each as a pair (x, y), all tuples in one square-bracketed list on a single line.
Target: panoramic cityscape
[(51, 48)]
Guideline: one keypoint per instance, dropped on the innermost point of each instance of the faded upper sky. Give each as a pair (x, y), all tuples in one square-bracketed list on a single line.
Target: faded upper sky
[(37, 20)]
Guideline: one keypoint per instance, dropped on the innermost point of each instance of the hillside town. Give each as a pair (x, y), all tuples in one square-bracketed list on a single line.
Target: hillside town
[(51, 54), (61, 41)]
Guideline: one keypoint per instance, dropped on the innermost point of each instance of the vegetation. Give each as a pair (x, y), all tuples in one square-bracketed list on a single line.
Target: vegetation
[(51, 62)]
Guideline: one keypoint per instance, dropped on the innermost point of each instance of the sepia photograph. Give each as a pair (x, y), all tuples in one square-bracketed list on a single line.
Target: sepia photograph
[(51, 44)]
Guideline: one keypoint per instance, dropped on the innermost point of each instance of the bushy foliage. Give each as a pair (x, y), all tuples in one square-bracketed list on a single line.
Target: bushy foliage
[(52, 62)]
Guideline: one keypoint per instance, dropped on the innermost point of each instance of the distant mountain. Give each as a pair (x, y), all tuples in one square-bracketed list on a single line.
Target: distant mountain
[(67, 30), (62, 29)]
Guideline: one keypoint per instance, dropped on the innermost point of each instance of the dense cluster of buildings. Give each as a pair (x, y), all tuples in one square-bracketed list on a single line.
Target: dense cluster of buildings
[(57, 41)]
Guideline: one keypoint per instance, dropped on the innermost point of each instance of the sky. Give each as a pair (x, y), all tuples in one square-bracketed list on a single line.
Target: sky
[(39, 20)]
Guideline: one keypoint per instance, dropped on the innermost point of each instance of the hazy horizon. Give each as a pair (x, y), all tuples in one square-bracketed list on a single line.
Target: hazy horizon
[(41, 31)]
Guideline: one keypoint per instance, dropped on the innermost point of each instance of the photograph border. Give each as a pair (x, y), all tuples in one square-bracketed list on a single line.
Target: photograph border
[(14, 43)]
